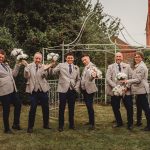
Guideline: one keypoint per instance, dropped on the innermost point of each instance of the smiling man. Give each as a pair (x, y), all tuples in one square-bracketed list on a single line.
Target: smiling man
[(37, 87), (113, 70), (8, 93), (140, 87), (88, 86), (68, 85)]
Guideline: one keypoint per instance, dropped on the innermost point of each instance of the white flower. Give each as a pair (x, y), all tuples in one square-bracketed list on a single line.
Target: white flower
[(55, 58), (49, 57), (57, 55), (121, 76), (118, 90), (15, 52), (18, 54), (97, 71), (52, 56), (19, 57), (22, 56)]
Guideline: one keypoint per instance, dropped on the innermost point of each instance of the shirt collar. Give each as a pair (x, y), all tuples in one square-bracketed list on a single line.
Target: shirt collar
[(69, 64), (138, 64)]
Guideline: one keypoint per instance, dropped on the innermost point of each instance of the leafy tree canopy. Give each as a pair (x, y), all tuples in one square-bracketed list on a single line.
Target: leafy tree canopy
[(34, 24)]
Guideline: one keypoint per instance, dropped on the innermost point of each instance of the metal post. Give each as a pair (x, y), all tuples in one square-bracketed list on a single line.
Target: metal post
[(63, 52), (43, 52), (105, 76)]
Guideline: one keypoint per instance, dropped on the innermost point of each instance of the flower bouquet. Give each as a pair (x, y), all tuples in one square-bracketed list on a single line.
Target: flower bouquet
[(52, 56), (19, 54), (121, 76), (119, 90), (95, 72)]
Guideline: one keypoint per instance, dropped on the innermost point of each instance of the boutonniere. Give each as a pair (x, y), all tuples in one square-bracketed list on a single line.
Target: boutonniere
[(75, 67), (88, 68), (6, 63), (40, 65)]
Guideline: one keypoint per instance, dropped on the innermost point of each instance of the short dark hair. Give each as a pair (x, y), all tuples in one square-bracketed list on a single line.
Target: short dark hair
[(69, 54), (140, 53), (85, 55), (2, 52)]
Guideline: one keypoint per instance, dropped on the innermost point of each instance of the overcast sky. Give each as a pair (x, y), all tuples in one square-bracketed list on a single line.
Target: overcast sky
[(133, 15)]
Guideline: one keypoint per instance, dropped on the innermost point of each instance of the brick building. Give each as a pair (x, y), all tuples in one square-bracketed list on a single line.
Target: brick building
[(127, 50)]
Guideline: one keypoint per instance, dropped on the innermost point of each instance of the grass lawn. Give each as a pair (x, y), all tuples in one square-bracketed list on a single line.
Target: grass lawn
[(104, 137)]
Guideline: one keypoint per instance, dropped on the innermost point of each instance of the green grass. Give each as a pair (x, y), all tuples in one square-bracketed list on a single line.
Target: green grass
[(103, 138)]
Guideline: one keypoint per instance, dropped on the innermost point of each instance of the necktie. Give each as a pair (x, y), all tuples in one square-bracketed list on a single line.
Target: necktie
[(119, 67), (70, 69), (4, 66), (36, 67)]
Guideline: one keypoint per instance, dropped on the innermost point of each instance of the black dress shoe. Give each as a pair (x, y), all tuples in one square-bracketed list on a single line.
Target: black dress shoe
[(16, 127), (8, 131), (146, 129), (130, 127), (72, 128), (87, 123), (30, 130), (60, 129), (47, 127), (91, 127), (117, 125), (138, 124)]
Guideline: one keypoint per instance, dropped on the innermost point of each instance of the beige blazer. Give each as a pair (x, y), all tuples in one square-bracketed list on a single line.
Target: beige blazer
[(29, 74), (7, 83), (111, 74), (139, 82), (67, 80), (87, 81)]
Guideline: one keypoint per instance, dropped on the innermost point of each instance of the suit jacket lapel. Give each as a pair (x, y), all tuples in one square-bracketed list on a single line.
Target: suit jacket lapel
[(115, 69), (67, 68), (34, 68), (4, 70)]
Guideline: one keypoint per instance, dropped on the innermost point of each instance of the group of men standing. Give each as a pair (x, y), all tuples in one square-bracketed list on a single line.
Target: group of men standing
[(69, 84)]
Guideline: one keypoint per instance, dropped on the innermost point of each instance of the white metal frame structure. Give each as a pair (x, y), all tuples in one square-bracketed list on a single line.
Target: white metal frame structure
[(73, 46)]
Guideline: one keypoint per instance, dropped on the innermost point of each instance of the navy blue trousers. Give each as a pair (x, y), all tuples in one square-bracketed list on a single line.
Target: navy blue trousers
[(142, 101), (35, 98), (138, 110), (69, 97), (88, 98), (128, 103), (6, 100)]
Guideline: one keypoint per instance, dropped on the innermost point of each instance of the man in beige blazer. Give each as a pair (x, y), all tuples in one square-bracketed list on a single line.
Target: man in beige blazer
[(37, 87), (68, 85), (140, 87), (8, 93), (88, 86), (113, 70)]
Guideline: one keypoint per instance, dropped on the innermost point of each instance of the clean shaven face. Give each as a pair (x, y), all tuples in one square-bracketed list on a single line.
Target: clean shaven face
[(37, 58), (85, 60), (118, 58), (2, 58), (137, 59), (70, 59)]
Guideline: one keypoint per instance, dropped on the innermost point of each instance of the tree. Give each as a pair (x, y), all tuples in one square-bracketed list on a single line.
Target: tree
[(28, 20), (6, 40)]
